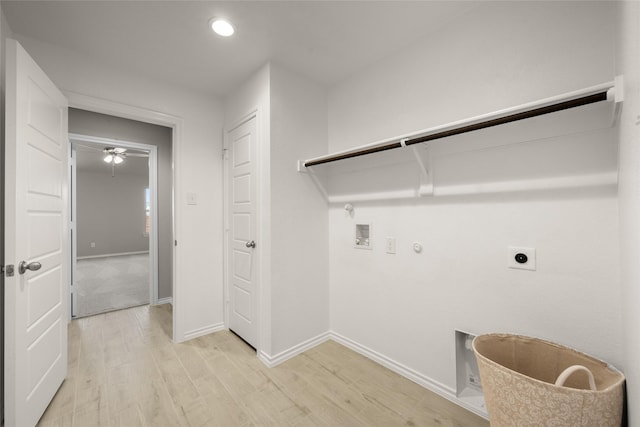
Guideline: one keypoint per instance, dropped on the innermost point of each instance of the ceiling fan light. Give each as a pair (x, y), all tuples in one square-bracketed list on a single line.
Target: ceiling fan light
[(108, 158), (117, 160)]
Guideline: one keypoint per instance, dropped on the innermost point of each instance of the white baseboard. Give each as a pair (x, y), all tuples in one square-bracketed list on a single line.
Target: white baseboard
[(400, 369), (110, 255), (203, 331), (283, 356), (167, 300)]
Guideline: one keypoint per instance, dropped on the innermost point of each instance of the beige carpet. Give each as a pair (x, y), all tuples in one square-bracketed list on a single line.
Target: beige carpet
[(111, 283)]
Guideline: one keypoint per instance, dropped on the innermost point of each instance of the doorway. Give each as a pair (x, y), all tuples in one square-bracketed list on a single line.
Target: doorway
[(113, 227), (102, 131)]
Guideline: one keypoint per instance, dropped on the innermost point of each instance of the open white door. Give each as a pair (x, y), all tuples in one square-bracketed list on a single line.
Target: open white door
[(36, 235), (242, 228)]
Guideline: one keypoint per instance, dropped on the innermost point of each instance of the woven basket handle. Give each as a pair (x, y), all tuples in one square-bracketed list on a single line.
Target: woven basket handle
[(570, 370)]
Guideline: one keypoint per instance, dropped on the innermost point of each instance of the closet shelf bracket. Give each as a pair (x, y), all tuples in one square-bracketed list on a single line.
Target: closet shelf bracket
[(316, 181), (424, 166), (616, 95)]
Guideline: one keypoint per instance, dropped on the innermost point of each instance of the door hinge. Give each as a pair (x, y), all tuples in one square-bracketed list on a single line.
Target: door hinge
[(175, 243), (225, 153)]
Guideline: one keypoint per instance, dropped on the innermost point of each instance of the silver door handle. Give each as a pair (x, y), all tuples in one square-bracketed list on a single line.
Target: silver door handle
[(250, 244), (31, 266)]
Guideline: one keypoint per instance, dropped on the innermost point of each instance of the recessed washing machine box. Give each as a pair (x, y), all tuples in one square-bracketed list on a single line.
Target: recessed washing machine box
[(363, 236)]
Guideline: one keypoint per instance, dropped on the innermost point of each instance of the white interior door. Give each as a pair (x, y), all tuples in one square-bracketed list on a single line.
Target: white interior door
[(241, 142), (36, 234)]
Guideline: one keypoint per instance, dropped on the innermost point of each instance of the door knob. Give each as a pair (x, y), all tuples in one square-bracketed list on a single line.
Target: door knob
[(31, 266), (251, 244)]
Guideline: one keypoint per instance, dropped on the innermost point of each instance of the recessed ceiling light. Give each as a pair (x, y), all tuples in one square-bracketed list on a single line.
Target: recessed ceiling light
[(221, 27)]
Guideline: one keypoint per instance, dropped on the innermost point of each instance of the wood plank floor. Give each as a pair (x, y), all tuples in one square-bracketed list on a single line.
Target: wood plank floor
[(125, 371)]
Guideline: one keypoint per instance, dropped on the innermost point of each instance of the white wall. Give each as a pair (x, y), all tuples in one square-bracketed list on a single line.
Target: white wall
[(254, 97), (405, 307), (198, 291), (292, 217), (498, 55), (299, 221), (629, 194)]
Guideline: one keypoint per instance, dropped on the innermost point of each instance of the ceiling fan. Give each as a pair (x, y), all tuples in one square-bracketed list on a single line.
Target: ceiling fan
[(111, 155), (114, 156)]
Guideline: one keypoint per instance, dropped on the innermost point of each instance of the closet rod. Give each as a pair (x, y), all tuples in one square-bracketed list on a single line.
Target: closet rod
[(564, 105)]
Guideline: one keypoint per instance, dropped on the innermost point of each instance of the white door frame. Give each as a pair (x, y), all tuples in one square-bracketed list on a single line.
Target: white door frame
[(253, 114), (102, 106), (73, 236), (153, 208)]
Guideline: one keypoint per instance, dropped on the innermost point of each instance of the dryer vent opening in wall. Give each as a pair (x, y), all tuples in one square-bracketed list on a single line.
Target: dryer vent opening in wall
[(468, 387)]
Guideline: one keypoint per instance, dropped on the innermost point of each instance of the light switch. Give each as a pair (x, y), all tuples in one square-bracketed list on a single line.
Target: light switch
[(390, 245), (192, 199)]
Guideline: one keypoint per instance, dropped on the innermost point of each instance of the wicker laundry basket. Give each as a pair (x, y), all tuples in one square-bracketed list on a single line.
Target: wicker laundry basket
[(519, 376)]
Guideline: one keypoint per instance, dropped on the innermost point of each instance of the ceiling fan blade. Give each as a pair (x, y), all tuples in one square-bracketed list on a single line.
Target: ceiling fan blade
[(137, 155), (119, 150)]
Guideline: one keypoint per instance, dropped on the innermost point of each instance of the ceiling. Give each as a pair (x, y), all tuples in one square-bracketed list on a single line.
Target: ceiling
[(171, 42)]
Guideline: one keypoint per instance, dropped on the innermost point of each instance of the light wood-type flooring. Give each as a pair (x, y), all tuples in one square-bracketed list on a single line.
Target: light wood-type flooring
[(124, 370)]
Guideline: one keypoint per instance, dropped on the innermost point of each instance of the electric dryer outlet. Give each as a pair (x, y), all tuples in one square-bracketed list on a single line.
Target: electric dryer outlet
[(521, 258)]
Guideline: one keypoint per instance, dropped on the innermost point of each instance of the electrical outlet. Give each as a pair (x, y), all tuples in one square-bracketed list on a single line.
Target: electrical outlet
[(521, 258), (93, 244), (390, 245)]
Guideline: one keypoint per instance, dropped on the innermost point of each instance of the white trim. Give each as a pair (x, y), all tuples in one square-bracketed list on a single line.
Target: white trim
[(272, 361), (104, 106), (73, 238), (225, 227), (167, 300), (110, 255), (203, 331), (397, 367), (243, 119), (402, 370)]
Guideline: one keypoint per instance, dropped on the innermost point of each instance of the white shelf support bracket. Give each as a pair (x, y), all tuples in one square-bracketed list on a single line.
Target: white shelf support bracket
[(426, 181), (316, 181), (616, 95)]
